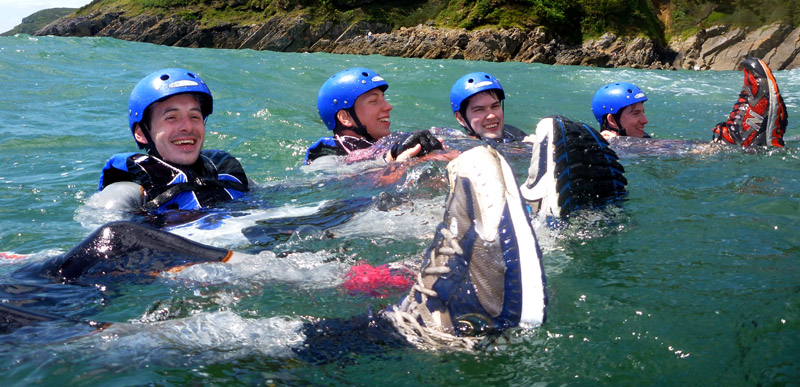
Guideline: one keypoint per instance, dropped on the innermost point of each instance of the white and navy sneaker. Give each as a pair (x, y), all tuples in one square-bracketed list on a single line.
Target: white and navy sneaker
[(483, 272), (571, 168)]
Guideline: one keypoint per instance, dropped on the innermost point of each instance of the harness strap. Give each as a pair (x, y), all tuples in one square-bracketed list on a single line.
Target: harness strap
[(200, 182)]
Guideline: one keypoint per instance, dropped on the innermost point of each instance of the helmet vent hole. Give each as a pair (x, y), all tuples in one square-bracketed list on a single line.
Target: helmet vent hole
[(191, 75), (471, 80), (365, 74), (165, 77)]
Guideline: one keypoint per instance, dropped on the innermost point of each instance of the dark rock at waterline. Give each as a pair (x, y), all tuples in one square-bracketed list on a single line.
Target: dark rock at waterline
[(716, 48)]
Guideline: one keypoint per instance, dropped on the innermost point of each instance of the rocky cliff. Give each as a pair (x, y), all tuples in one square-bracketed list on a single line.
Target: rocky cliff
[(717, 48)]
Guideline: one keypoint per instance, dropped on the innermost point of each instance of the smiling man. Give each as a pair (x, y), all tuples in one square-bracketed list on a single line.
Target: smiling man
[(353, 106), (619, 109), (477, 102), (758, 117), (167, 114)]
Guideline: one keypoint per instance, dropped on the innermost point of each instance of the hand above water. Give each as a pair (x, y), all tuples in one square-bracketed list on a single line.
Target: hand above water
[(417, 144)]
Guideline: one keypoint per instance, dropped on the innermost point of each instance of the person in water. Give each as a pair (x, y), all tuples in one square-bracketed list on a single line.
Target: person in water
[(352, 104), (481, 274), (758, 117), (571, 166), (619, 109), (477, 103), (167, 116)]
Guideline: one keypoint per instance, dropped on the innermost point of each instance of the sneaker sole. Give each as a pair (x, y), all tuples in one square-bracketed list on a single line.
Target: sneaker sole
[(773, 102), (576, 169), (521, 253)]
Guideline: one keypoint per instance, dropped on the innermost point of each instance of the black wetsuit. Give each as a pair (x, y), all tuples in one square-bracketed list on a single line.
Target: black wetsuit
[(126, 251), (118, 251), (335, 146), (513, 134), (510, 134)]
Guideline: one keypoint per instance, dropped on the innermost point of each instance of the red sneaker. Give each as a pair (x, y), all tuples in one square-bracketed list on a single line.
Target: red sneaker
[(759, 115)]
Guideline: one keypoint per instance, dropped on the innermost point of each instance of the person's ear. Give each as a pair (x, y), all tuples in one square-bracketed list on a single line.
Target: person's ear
[(138, 135), (461, 119), (345, 119), (612, 122)]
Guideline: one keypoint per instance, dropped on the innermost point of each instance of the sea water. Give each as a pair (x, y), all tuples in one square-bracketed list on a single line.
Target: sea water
[(695, 280)]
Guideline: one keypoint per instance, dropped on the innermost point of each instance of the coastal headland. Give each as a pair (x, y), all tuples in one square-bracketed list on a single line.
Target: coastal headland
[(716, 42)]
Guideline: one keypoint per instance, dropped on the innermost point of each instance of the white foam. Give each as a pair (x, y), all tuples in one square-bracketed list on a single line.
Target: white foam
[(91, 217), (204, 338), (416, 219), (306, 269)]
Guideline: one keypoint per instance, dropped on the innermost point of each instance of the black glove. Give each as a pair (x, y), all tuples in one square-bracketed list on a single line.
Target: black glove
[(425, 138)]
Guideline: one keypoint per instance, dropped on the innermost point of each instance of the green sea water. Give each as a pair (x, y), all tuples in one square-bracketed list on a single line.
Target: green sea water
[(695, 281)]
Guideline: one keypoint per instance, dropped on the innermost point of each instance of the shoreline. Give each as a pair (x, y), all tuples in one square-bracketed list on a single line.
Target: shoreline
[(719, 47)]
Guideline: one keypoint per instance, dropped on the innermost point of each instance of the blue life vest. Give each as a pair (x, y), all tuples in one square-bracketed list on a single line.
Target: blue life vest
[(216, 177)]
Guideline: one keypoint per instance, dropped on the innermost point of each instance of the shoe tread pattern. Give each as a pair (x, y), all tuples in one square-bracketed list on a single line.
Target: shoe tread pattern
[(588, 172)]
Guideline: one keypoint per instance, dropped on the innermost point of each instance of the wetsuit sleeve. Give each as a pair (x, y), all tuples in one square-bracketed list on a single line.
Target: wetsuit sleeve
[(126, 249), (325, 146), (123, 196)]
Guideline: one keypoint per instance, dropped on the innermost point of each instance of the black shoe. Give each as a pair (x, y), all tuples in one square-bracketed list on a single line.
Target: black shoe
[(571, 168)]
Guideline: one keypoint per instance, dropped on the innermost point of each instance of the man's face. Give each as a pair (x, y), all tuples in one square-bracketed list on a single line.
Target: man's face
[(177, 129), (373, 112), (633, 119), (485, 115)]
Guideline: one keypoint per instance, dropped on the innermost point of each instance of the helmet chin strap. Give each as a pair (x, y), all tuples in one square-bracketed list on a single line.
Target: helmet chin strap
[(467, 125), (620, 129), (360, 129), (151, 145)]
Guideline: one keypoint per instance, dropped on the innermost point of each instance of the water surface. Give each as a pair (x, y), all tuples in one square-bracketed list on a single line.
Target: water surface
[(697, 280)]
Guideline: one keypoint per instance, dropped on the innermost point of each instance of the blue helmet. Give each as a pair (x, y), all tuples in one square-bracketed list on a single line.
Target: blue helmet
[(161, 85), (471, 84), (341, 90), (612, 97)]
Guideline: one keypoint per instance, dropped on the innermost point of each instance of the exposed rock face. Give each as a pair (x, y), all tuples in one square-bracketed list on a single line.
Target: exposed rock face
[(722, 47), (717, 48), (499, 46)]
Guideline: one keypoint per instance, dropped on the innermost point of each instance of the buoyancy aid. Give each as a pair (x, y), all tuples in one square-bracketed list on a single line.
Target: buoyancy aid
[(215, 177)]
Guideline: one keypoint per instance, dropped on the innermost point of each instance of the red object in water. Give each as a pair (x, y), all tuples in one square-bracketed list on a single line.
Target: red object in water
[(10, 255), (377, 281)]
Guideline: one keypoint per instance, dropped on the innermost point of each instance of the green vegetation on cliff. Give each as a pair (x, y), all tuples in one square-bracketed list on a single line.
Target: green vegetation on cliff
[(686, 16), (37, 20), (574, 20)]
